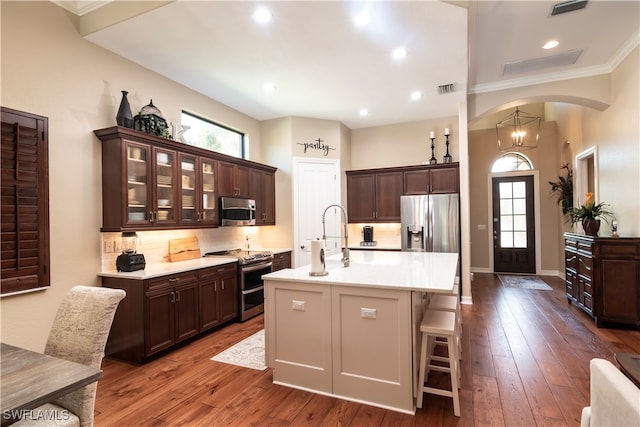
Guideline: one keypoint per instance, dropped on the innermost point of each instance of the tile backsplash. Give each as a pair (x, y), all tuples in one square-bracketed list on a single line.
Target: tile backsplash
[(155, 244)]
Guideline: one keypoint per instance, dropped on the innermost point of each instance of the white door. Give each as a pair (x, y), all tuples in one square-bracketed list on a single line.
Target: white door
[(316, 186)]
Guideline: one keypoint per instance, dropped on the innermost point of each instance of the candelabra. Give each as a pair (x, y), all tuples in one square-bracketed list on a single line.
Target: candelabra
[(447, 157), (433, 160)]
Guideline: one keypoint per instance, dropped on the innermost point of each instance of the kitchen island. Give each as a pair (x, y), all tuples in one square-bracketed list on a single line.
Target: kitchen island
[(354, 333)]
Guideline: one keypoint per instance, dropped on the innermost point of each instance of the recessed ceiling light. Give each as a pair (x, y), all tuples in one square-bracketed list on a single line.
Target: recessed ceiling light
[(269, 87), (416, 95), (399, 53), (364, 112), (262, 15), (362, 19), (551, 44)]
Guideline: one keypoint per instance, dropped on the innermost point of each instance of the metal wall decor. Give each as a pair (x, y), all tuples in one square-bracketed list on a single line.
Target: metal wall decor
[(150, 120)]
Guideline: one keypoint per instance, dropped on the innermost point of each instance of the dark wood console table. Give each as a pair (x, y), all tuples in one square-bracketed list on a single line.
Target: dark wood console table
[(603, 277)]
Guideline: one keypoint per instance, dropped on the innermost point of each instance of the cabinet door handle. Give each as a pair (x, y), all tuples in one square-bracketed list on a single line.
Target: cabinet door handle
[(215, 286), (178, 292), (150, 216), (173, 297), (222, 283), (174, 280)]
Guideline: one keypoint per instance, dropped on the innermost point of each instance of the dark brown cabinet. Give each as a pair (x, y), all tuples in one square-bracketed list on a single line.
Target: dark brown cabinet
[(150, 182), (171, 311), (262, 186), (218, 295), (233, 180), (440, 179), (603, 277), (374, 196), (281, 261), (161, 312)]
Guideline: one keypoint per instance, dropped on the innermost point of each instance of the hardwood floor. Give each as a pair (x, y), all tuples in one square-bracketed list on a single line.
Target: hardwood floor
[(525, 362)]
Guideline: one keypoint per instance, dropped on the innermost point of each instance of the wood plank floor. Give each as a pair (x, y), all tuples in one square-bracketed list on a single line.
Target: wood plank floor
[(525, 362)]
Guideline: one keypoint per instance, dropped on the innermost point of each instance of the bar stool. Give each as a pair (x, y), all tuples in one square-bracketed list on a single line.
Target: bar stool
[(445, 302), (439, 324)]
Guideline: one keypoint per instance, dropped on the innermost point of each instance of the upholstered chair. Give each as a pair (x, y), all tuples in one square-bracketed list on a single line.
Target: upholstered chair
[(79, 333), (615, 400)]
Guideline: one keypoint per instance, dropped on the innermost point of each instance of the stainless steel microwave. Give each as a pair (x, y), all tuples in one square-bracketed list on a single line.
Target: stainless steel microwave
[(237, 212)]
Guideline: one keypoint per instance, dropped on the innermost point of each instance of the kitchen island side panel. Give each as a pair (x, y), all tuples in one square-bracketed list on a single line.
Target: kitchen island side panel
[(298, 335)]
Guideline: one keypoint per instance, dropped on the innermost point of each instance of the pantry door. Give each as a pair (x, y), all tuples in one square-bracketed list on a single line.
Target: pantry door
[(316, 186)]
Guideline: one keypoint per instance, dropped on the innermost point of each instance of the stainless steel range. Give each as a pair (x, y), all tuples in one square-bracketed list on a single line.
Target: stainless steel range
[(253, 264)]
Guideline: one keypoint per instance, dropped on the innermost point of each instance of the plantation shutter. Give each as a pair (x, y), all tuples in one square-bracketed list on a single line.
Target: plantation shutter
[(24, 202)]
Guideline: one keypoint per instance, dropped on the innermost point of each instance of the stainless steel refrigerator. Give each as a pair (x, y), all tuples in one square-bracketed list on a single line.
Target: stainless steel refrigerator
[(430, 223)]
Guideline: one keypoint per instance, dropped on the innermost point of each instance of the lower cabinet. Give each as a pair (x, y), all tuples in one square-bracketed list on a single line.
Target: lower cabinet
[(171, 311), (603, 277), (218, 295), (281, 261), (161, 312), (349, 342)]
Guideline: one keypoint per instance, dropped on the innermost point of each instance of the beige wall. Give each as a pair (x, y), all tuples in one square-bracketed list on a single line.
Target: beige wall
[(483, 150), (48, 69), (402, 144)]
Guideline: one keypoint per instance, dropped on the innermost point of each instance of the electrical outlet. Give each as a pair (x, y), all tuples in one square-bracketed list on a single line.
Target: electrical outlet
[(117, 246), (108, 247)]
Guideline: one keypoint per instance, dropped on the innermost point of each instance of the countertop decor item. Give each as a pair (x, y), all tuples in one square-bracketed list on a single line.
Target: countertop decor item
[(589, 215), (150, 120), (124, 116), (563, 188), (447, 156)]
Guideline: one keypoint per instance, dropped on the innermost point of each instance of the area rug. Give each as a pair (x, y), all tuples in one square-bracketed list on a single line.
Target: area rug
[(523, 282), (248, 353)]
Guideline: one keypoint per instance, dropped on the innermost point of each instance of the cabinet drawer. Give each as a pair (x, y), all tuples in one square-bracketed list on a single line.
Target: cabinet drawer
[(218, 270), (585, 265), (620, 250), (585, 247), (571, 244), (173, 280), (571, 260)]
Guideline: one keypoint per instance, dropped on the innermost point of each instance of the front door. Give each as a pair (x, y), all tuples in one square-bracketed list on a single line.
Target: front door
[(513, 225)]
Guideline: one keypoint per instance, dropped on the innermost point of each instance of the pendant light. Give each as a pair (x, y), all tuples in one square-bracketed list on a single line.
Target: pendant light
[(518, 132)]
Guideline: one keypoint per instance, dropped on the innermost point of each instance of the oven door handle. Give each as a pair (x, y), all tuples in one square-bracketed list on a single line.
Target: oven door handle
[(252, 290), (258, 266)]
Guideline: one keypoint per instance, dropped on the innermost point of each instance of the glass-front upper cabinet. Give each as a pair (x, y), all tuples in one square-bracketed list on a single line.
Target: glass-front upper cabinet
[(208, 201), (137, 183), (188, 185), (165, 195)]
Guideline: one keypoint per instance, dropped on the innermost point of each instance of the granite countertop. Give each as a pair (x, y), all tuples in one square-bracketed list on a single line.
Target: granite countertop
[(413, 271)]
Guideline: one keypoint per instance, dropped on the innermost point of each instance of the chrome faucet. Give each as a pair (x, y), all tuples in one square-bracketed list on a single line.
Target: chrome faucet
[(345, 250)]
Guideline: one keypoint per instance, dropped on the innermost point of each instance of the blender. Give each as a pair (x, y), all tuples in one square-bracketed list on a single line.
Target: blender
[(129, 259)]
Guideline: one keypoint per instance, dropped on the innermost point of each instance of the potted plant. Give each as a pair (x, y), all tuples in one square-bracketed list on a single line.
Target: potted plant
[(563, 188), (589, 215)]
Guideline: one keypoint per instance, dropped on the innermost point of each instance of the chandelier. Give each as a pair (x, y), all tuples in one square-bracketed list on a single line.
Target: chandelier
[(518, 132)]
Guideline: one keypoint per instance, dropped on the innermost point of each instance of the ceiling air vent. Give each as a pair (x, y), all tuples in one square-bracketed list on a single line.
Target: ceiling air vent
[(448, 88), (568, 6), (537, 64)]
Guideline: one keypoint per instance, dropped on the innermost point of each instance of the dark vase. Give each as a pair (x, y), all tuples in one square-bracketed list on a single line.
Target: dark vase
[(591, 226), (124, 116)]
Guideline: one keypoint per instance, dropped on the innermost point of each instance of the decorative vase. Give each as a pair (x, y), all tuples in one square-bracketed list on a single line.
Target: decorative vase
[(591, 226), (124, 116)]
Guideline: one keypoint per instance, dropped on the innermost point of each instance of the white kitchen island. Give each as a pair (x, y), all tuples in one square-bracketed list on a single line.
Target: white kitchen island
[(354, 333)]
